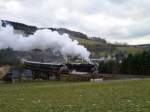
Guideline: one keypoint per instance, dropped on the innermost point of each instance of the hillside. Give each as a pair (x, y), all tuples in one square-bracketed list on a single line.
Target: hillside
[(96, 45)]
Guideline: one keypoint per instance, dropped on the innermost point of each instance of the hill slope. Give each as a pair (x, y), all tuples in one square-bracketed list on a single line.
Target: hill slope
[(97, 46)]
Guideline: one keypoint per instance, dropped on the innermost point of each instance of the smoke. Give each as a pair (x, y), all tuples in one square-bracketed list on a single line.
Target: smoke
[(43, 39)]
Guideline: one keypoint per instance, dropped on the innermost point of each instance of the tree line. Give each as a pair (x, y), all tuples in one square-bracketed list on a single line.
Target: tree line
[(136, 64)]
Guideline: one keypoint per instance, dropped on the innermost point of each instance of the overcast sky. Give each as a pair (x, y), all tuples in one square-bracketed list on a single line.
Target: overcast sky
[(115, 20)]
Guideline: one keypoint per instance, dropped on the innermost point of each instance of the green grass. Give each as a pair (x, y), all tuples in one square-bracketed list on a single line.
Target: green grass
[(87, 42), (105, 48), (130, 49), (115, 96)]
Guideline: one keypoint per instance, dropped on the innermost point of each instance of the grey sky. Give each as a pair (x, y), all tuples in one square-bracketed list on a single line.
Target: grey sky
[(115, 20)]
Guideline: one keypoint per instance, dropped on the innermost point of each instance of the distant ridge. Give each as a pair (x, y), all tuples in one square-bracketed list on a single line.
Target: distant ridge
[(29, 30), (96, 45)]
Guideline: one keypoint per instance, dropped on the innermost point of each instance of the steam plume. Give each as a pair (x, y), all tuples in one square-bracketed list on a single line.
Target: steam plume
[(42, 39)]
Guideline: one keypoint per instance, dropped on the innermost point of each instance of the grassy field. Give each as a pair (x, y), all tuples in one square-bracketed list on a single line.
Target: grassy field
[(115, 96), (87, 42), (130, 49)]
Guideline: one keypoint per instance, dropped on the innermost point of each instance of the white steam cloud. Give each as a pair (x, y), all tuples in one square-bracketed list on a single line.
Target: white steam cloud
[(43, 39)]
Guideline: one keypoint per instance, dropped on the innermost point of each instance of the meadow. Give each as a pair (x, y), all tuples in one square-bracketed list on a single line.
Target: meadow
[(113, 96)]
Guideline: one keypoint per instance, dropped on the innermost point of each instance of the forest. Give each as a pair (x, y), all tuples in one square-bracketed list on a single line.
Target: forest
[(136, 64)]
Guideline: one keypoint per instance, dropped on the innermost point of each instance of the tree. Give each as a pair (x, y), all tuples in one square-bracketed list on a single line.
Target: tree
[(8, 56)]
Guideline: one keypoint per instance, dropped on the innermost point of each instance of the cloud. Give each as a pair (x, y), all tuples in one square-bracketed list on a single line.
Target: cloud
[(114, 20)]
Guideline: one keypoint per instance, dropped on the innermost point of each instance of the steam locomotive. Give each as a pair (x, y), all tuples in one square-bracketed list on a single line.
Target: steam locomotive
[(51, 71)]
